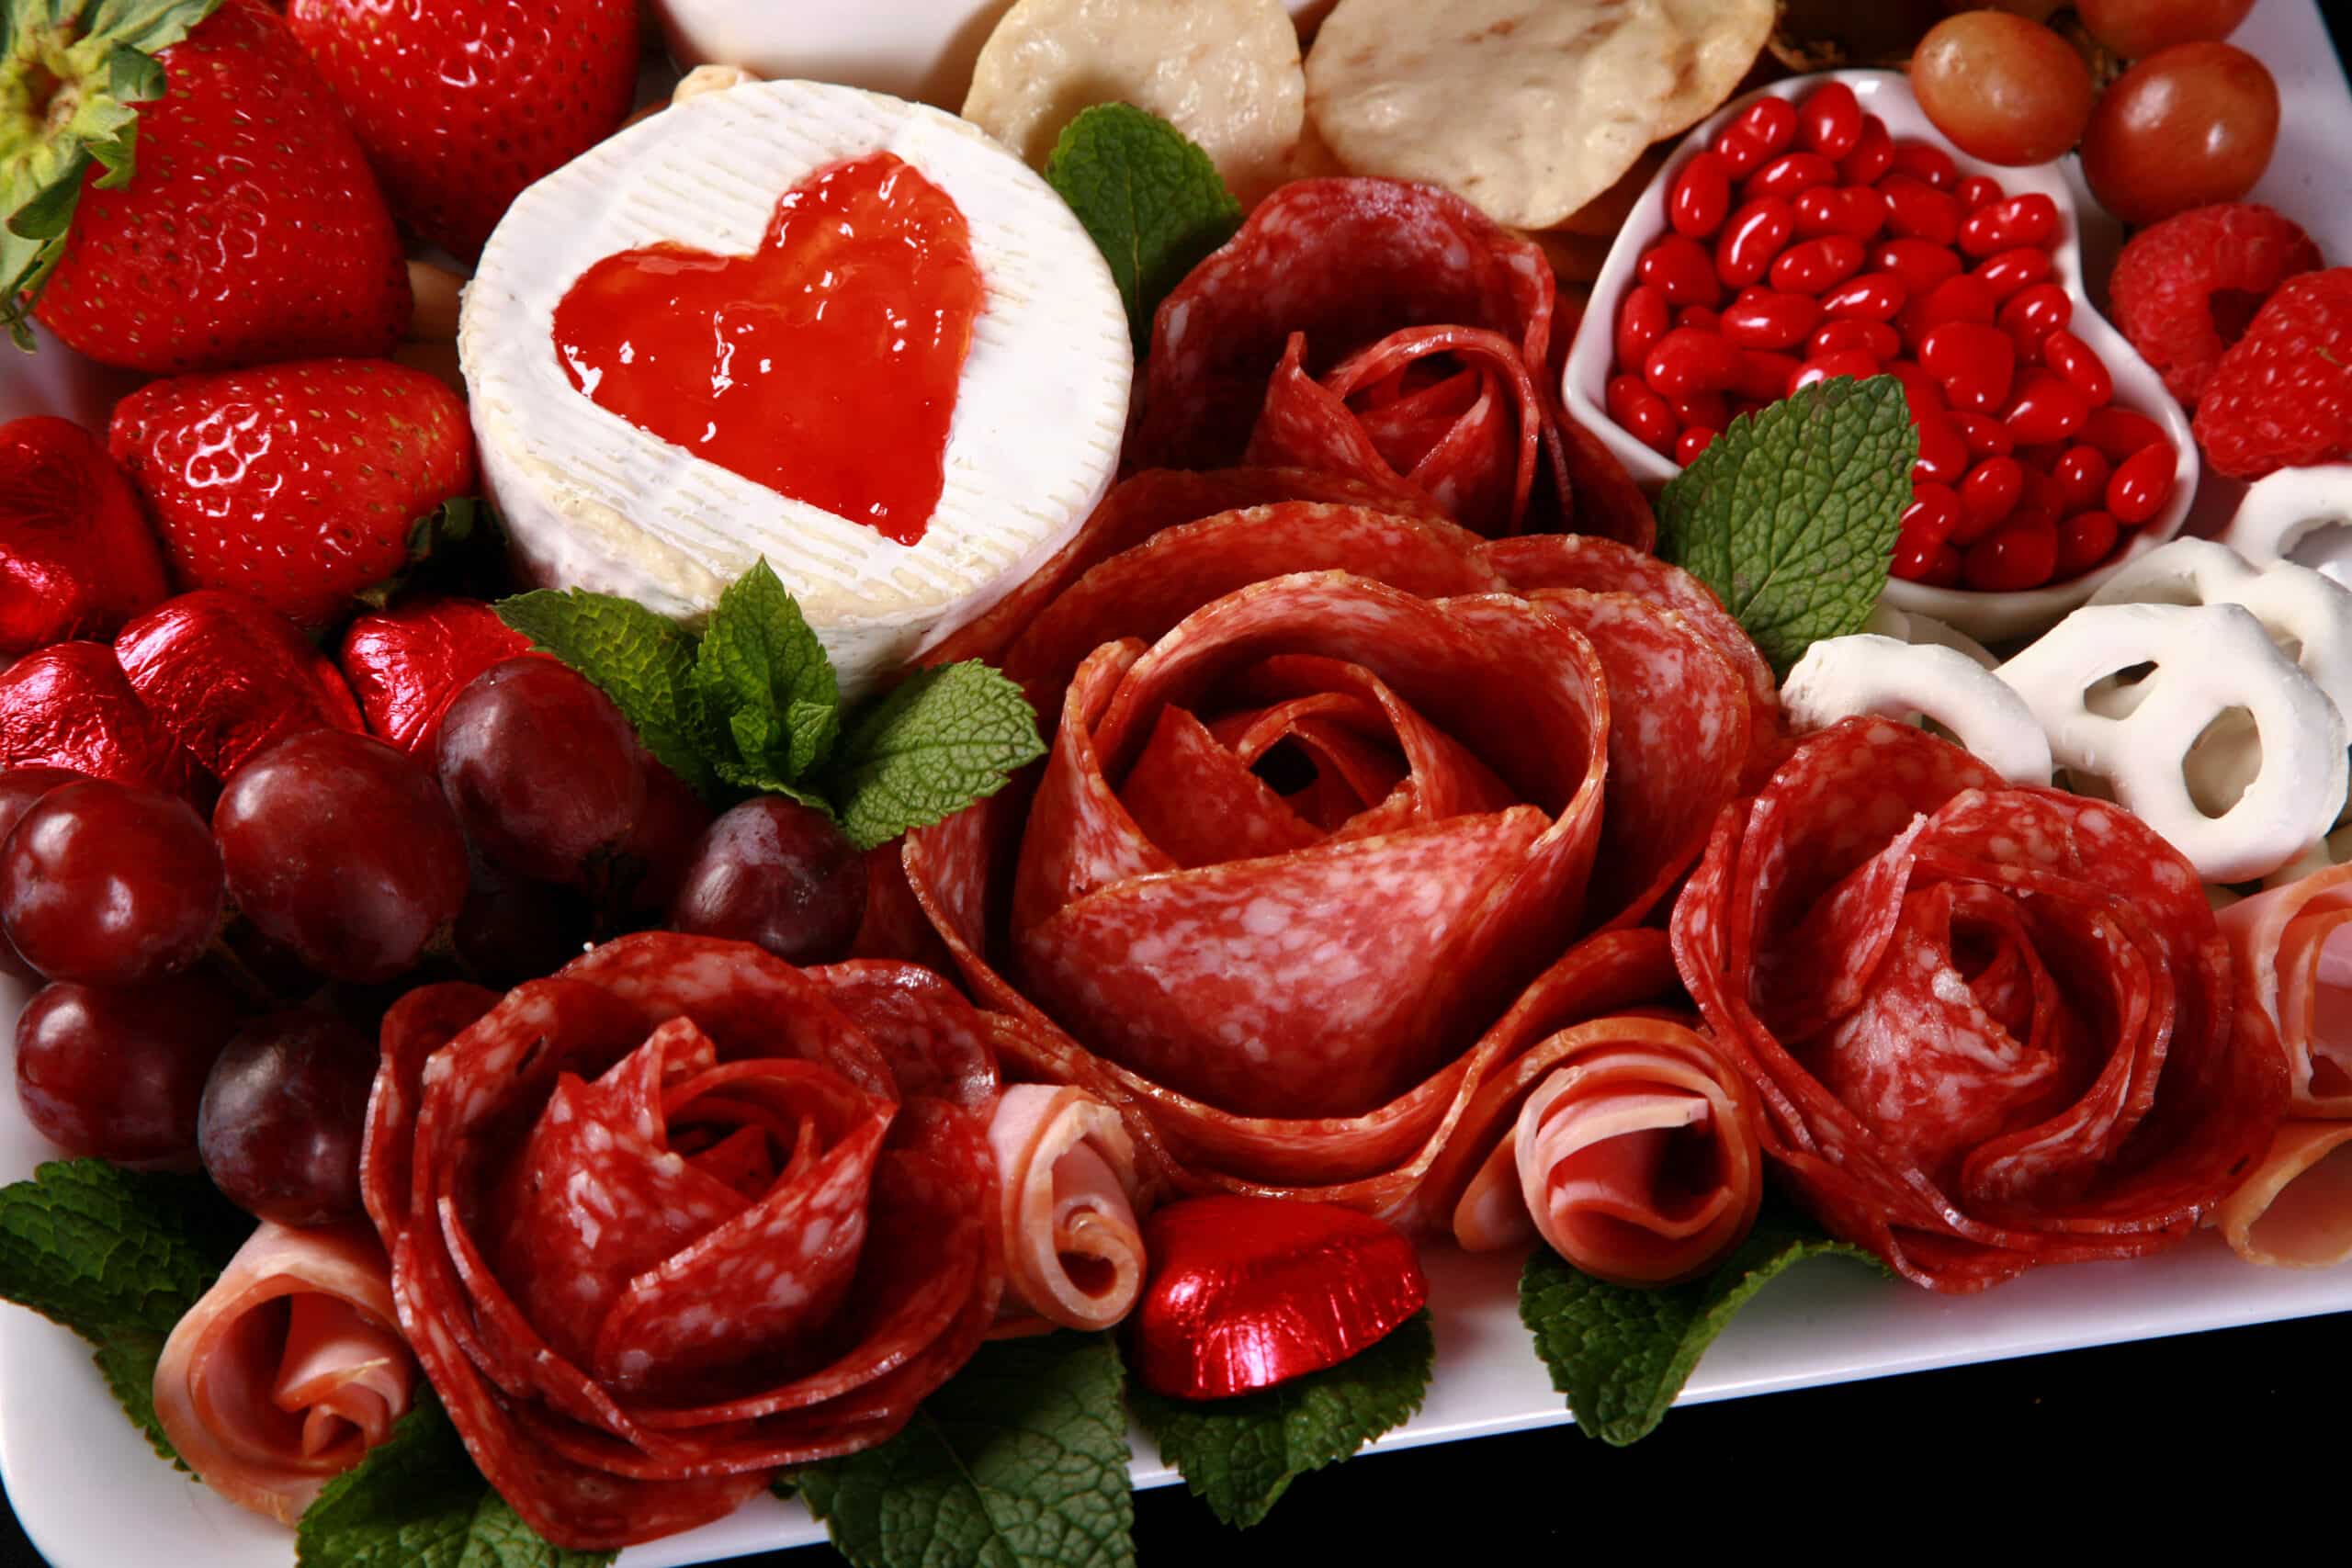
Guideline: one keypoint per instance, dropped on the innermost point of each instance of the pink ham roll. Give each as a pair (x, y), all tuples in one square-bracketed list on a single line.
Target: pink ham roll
[(2293, 947), (1634, 1154), (1066, 1173), (289, 1369)]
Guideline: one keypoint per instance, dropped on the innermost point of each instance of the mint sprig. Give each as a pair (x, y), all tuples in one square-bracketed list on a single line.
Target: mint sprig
[(1240, 1455), (753, 705), (416, 1501), (1020, 1461), (1151, 199), (1622, 1355), (1791, 515), (118, 1257)]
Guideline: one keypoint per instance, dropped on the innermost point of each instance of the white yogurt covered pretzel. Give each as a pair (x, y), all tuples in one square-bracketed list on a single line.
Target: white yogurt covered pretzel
[(2210, 660), (2282, 510), (1847, 677), (2307, 615)]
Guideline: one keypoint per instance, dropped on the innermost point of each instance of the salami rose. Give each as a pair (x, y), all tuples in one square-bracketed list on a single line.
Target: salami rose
[(1387, 332), (1990, 1027), (287, 1370), (1329, 796), (681, 1215), (2293, 947)]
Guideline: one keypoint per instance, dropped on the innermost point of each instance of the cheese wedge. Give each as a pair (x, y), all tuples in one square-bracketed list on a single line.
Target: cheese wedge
[(590, 501)]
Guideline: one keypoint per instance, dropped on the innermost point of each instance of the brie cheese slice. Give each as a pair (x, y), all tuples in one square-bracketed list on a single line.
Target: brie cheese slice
[(590, 501)]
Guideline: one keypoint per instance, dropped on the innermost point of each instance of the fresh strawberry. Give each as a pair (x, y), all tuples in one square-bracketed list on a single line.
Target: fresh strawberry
[(248, 227), (2281, 398), (76, 556), (300, 485), (463, 103)]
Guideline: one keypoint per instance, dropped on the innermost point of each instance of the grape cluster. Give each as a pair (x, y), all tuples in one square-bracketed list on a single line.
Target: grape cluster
[(335, 871)]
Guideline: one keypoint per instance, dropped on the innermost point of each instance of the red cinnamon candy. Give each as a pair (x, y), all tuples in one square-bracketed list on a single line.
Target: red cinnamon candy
[(76, 556), (69, 705), (1247, 1292), (407, 662), (230, 676)]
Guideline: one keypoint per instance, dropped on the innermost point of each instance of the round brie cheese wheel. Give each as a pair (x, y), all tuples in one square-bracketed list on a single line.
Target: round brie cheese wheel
[(591, 500)]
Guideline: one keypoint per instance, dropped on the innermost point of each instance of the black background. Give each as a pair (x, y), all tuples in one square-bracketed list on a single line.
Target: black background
[(2243, 1429)]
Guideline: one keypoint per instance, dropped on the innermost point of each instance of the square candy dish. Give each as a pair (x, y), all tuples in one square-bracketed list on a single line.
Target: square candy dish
[(1993, 617)]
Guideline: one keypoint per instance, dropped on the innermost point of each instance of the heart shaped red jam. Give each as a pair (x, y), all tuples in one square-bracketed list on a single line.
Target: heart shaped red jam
[(823, 365)]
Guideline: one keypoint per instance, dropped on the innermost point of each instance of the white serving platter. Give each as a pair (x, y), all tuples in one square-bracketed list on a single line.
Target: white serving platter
[(91, 1494)]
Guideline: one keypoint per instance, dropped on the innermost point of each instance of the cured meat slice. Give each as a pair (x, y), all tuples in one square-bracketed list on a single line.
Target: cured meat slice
[(287, 1370), (1066, 1191), (1632, 1151), (2293, 949), (1390, 333), (1989, 1027), (1141, 505), (681, 1215), (1344, 262)]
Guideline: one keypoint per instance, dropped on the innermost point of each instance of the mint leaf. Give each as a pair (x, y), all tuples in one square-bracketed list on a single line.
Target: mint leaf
[(1622, 1355), (947, 737), (416, 1501), (643, 661), (1791, 516), (1020, 1461), (1240, 1455), (1151, 199), (763, 680), (118, 1257)]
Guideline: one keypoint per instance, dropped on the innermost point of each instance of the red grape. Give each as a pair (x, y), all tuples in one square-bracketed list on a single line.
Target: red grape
[(281, 1118), (109, 885), (651, 861), (2137, 28), (118, 1072), (2188, 127), (512, 930), (19, 788), (541, 769), (775, 872), (2002, 88), (340, 849)]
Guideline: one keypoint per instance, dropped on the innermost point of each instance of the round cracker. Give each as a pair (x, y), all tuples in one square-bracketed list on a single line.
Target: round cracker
[(1225, 72), (1529, 109)]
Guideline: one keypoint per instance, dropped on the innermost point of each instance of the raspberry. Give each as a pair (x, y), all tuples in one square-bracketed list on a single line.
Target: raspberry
[(2281, 398), (2185, 289)]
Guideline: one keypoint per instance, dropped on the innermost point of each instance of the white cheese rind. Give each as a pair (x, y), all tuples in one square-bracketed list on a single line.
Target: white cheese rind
[(591, 502)]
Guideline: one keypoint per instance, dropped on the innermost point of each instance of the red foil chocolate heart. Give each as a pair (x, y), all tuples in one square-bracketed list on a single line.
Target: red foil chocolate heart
[(76, 556), (406, 663), (1248, 1292), (230, 676), (69, 705)]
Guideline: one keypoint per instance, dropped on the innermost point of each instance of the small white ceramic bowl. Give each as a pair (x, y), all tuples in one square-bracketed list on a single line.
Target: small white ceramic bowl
[(1993, 617)]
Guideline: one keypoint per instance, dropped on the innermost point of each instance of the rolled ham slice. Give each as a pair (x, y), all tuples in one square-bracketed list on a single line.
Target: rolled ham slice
[(1066, 1173), (289, 1369), (2293, 947), (1635, 1155)]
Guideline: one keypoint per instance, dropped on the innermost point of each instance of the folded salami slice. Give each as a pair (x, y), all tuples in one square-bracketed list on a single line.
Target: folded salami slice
[(1309, 840), (1391, 333), (2293, 947), (681, 1215), (1989, 1027), (1067, 1190), (1632, 1151), (287, 1370)]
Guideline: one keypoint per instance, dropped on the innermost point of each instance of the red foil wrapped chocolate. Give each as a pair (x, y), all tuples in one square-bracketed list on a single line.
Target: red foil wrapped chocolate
[(69, 705), (232, 677), (407, 662), (1247, 1292), (77, 558)]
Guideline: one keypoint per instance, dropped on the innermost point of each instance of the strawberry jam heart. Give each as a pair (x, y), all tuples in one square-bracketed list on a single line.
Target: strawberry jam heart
[(823, 365), (1248, 1292)]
